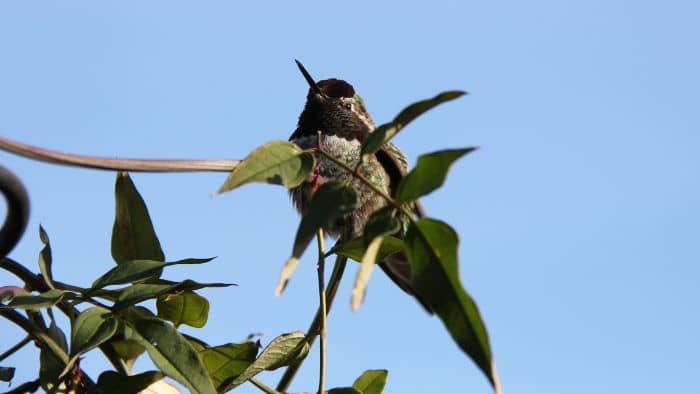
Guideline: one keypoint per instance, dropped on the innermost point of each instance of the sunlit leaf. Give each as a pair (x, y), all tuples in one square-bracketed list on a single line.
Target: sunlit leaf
[(172, 354), (133, 236), (277, 162), (183, 308), (385, 132), (91, 328), (145, 291), (45, 258), (35, 302), (282, 351), (111, 382), (431, 247), (371, 381), (226, 362), (330, 201), (429, 174)]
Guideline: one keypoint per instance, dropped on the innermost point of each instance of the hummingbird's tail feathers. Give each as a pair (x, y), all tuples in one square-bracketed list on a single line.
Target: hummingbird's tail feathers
[(398, 269)]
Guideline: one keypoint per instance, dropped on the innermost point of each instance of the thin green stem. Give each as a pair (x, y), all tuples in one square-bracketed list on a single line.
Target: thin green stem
[(324, 311), (312, 332), (15, 348), (367, 182), (262, 386)]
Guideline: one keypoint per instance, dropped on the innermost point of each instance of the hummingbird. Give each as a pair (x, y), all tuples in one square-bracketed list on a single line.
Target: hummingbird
[(335, 120)]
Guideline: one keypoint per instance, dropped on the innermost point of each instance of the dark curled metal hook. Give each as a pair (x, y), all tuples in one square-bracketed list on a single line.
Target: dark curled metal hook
[(17, 211)]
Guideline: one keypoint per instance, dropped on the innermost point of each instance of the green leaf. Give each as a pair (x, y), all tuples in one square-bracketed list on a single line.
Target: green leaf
[(226, 362), (277, 162), (344, 390), (111, 382), (172, 353), (184, 308), (45, 258), (128, 350), (50, 366), (284, 350), (91, 328), (429, 174), (138, 270), (371, 381), (385, 132), (6, 374), (381, 222), (35, 302), (145, 291), (355, 248), (133, 236), (431, 247), (331, 200)]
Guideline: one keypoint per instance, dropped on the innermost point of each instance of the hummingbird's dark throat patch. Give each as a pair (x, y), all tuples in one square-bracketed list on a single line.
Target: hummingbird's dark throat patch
[(336, 88)]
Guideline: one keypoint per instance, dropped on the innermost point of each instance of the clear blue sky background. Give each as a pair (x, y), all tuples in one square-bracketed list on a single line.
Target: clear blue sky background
[(579, 218)]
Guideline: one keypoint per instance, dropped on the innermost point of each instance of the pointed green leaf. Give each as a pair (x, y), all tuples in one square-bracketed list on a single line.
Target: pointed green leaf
[(6, 374), (138, 270), (385, 132), (91, 328), (371, 381), (133, 236), (184, 308), (355, 248), (330, 201), (429, 174), (277, 162), (431, 247), (45, 258), (283, 350), (145, 291), (226, 362), (35, 302), (172, 354), (111, 382), (381, 222)]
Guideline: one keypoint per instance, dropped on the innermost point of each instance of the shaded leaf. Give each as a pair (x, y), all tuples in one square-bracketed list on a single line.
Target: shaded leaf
[(277, 162), (6, 374), (429, 174), (172, 353), (355, 248), (91, 328), (183, 308), (371, 381), (344, 390), (331, 200), (50, 365), (385, 132), (226, 362), (138, 270), (133, 236), (284, 350), (45, 258), (145, 291), (35, 302), (431, 247), (381, 222), (111, 382)]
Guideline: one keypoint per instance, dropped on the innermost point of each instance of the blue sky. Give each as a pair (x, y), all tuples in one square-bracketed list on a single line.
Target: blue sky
[(578, 218)]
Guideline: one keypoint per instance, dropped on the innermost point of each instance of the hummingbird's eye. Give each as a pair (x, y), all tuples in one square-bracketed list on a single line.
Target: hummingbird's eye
[(348, 106)]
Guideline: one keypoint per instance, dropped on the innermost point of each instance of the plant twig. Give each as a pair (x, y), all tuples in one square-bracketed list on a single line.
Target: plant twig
[(15, 348), (312, 332), (115, 164), (262, 386), (324, 311)]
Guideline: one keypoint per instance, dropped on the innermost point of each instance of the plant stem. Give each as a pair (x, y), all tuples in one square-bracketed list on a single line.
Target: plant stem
[(15, 348), (367, 182), (312, 332), (324, 311), (262, 386)]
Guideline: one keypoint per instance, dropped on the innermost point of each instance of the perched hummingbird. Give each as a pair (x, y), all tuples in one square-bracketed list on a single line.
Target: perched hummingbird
[(336, 114)]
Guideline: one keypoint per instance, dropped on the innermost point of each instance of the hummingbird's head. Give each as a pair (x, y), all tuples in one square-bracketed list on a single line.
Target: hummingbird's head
[(333, 107)]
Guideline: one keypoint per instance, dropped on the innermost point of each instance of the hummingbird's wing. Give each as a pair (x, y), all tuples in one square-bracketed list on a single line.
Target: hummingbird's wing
[(396, 165)]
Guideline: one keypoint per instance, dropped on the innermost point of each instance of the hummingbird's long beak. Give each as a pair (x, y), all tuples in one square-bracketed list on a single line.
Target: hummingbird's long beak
[(309, 80)]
